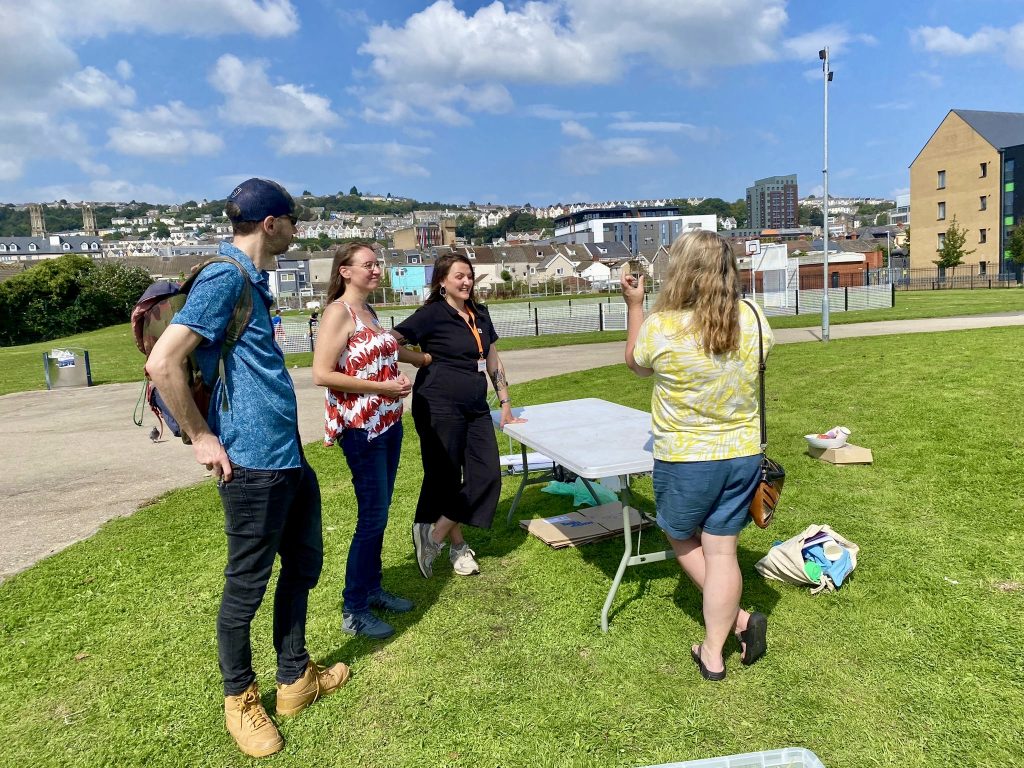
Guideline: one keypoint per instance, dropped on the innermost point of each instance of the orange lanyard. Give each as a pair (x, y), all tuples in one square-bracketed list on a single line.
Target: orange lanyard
[(474, 331)]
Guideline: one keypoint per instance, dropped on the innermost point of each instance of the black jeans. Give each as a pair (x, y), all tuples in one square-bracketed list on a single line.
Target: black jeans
[(268, 513)]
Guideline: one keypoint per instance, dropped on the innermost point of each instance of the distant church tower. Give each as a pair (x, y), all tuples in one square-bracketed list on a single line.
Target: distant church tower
[(35, 212), (89, 220)]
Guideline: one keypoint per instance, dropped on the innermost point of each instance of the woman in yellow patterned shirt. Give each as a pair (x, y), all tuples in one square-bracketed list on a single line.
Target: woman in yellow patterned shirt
[(701, 344)]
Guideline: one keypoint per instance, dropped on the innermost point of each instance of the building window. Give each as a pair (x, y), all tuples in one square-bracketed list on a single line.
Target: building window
[(558, 271), (1008, 170), (982, 235), (942, 212), (984, 170), (982, 268), (983, 202), (942, 180), (942, 240)]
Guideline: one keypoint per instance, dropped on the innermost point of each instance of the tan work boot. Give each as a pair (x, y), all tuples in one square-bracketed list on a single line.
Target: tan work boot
[(250, 725), (315, 682)]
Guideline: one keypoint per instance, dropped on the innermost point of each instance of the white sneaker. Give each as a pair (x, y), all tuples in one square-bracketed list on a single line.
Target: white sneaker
[(463, 561)]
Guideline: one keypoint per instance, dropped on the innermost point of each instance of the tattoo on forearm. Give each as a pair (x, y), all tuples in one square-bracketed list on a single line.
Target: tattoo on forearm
[(498, 377)]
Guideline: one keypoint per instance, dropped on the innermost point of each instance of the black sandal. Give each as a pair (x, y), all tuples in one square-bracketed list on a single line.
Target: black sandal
[(706, 673), (755, 638)]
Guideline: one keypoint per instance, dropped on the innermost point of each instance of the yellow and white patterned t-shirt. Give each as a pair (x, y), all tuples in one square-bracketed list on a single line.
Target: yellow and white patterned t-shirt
[(704, 407)]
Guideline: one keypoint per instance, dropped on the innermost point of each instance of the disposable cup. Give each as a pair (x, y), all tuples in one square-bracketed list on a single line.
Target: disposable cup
[(833, 551)]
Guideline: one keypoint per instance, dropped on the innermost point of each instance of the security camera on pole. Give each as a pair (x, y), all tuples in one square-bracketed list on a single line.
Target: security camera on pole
[(823, 55)]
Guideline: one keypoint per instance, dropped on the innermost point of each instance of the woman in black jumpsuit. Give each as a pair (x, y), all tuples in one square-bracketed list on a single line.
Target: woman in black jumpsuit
[(461, 476)]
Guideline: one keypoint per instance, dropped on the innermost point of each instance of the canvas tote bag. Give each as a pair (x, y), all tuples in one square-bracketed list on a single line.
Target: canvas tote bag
[(785, 561)]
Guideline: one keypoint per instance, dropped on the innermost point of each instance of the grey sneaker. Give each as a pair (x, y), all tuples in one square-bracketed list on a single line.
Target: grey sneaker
[(386, 601), (426, 549), (366, 624), (463, 560)]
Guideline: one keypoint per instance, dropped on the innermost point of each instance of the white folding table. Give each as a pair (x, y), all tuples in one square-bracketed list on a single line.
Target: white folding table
[(592, 438)]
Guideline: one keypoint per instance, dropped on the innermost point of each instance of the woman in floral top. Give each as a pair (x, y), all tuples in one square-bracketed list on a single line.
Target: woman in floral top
[(701, 344)]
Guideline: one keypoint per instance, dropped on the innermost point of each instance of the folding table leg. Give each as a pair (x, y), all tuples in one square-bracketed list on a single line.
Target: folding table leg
[(523, 483), (627, 534)]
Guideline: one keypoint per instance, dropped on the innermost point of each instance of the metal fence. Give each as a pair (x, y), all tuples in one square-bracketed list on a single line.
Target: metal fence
[(969, 276), (582, 314)]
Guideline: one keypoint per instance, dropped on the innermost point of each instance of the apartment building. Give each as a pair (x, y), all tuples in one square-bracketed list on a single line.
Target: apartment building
[(966, 171), (773, 203)]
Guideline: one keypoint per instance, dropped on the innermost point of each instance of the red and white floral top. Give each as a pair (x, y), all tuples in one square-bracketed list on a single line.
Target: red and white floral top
[(371, 355)]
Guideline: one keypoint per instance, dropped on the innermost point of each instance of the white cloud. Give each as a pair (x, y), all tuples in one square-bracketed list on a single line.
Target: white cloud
[(305, 144), (42, 72), (686, 129), (164, 131), (107, 190), (91, 89), (298, 115), (930, 79), (200, 18), (576, 130), (945, 40), (836, 37), (591, 157), (549, 112), (564, 42), (29, 133), (398, 158)]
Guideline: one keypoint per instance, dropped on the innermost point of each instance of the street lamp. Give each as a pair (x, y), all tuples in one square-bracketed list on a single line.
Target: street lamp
[(823, 55)]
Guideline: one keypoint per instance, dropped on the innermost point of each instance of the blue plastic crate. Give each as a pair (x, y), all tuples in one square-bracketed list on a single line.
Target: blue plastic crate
[(790, 757)]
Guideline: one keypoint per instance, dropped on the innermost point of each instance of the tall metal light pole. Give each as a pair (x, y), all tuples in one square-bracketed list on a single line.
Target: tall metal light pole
[(823, 55)]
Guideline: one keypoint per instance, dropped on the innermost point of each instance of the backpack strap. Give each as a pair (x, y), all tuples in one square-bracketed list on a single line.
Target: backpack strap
[(236, 325)]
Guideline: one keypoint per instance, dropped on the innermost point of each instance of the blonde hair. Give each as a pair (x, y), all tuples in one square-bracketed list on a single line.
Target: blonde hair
[(703, 277)]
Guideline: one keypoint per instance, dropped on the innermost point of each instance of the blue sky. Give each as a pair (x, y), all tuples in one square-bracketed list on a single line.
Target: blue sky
[(539, 102)]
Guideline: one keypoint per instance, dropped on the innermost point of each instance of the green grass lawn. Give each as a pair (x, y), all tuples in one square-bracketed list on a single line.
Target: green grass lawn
[(114, 357), (109, 655)]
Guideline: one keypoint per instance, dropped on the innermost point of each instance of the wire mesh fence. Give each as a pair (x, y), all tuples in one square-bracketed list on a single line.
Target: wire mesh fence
[(586, 314)]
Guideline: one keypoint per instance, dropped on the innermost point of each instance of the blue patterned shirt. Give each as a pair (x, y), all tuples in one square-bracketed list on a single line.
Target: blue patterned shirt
[(260, 428)]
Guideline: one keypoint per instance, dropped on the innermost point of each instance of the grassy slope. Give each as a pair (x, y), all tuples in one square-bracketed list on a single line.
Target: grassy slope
[(915, 662), (114, 358)]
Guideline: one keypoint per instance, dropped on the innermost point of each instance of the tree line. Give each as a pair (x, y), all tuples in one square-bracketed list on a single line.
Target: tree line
[(67, 295)]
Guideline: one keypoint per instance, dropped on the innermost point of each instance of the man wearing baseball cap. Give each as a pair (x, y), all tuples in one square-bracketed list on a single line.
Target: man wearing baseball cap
[(250, 441)]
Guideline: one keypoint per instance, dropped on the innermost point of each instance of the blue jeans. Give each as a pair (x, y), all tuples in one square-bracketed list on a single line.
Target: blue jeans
[(268, 513), (374, 465)]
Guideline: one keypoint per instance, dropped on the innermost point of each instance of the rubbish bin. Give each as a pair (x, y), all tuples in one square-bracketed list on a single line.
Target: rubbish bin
[(67, 367)]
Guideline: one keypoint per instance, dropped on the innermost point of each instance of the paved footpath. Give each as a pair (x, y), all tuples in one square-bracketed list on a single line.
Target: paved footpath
[(76, 460)]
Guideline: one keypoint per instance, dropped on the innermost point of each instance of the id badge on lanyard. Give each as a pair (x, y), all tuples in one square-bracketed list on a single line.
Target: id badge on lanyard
[(481, 364)]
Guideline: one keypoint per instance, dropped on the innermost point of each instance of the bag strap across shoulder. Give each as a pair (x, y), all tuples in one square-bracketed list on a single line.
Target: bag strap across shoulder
[(236, 325), (760, 375)]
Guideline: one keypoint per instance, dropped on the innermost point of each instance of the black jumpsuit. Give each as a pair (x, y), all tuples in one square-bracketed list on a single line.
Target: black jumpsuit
[(461, 476)]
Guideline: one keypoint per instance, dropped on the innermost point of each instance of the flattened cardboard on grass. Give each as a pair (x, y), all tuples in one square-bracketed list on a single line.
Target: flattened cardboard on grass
[(574, 529), (846, 454)]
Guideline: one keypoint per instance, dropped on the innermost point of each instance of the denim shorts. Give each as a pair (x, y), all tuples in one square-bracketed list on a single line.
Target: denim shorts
[(713, 495)]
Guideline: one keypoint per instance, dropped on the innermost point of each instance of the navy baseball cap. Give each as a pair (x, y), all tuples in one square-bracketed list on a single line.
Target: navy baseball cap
[(258, 198)]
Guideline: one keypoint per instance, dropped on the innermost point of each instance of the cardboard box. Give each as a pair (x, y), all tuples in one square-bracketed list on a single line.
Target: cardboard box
[(574, 529), (846, 454), (609, 516)]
